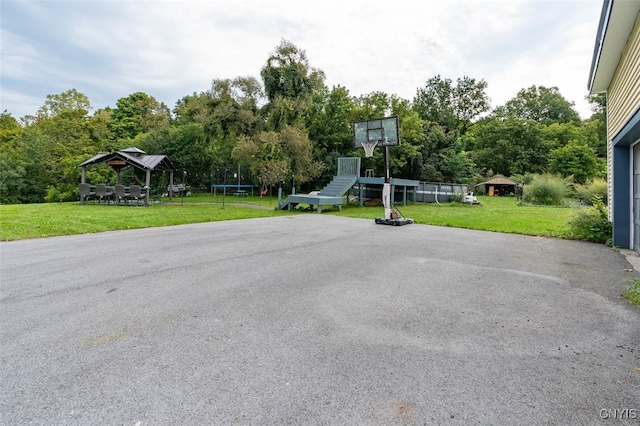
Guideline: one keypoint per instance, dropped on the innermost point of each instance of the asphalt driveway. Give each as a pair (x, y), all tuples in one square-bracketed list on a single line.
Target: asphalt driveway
[(314, 319)]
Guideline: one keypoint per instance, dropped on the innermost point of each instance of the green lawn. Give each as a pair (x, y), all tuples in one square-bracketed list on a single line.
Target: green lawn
[(500, 214), (20, 221)]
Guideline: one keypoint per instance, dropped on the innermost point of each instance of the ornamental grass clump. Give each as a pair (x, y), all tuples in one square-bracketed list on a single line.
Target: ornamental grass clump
[(594, 188), (547, 190)]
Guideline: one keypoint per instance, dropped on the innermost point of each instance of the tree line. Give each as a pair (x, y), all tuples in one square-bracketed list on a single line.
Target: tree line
[(290, 128)]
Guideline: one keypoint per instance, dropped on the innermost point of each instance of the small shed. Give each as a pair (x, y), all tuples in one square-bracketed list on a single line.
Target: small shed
[(133, 157), (499, 186)]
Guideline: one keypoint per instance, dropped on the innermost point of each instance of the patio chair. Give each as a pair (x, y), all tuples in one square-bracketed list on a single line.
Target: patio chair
[(121, 194), (103, 193), (85, 192), (135, 193)]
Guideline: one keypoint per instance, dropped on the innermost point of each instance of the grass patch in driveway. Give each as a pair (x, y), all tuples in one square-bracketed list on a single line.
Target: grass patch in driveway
[(633, 292)]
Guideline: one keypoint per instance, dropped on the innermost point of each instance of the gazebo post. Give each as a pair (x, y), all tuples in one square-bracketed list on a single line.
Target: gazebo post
[(148, 184), (84, 174), (170, 185)]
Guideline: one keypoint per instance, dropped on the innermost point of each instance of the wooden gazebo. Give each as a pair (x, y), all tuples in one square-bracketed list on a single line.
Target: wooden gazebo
[(133, 157), (499, 186)]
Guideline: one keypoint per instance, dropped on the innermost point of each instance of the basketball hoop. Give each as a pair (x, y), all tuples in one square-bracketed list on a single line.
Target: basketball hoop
[(369, 146)]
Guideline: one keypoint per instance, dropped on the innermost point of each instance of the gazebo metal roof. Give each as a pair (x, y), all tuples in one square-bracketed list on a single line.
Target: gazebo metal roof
[(133, 157)]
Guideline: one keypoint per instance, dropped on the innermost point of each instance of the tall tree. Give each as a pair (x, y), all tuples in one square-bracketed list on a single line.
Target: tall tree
[(508, 146), (188, 148), (328, 118), (25, 167), (561, 134), (228, 111), (275, 157), (138, 113), (71, 100), (12, 161), (598, 103), (70, 135), (452, 106), (441, 156), (194, 108), (469, 101), (539, 103), (100, 128), (288, 74), (8, 122), (53, 145), (372, 105), (234, 105), (289, 82), (596, 125)]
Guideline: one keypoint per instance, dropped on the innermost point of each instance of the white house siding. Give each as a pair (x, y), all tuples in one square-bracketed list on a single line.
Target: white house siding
[(623, 96), (624, 92)]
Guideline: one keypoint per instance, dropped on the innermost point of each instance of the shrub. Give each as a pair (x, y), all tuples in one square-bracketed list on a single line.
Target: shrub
[(456, 197), (547, 190), (574, 159), (592, 224), (594, 188), (60, 193)]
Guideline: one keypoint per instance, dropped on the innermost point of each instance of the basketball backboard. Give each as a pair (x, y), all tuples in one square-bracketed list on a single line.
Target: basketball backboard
[(383, 130)]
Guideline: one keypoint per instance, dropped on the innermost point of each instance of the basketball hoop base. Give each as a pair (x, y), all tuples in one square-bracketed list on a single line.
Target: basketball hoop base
[(395, 222)]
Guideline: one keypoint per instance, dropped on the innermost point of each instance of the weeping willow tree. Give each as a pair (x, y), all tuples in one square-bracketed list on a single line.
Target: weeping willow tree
[(289, 83)]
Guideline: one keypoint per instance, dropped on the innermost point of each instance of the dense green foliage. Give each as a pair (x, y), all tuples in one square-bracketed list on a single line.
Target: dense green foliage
[(509, 146), (290, 128), (574, 159), (592, 224), (541, 104)]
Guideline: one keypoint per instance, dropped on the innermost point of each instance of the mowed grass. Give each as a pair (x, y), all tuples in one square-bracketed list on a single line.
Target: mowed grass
[(499, 214), (22, 221)]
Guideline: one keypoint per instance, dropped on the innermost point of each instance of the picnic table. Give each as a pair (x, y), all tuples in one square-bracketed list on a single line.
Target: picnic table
[(179, 190), (240, 193)]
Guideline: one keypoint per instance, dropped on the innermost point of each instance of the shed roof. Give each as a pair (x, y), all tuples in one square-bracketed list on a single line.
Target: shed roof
[(498, 181)]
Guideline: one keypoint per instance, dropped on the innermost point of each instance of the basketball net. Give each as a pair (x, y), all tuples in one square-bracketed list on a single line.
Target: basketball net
[(369, 146)]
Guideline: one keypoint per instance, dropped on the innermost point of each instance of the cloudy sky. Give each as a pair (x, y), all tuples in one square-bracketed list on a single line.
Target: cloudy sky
[(109, 49)]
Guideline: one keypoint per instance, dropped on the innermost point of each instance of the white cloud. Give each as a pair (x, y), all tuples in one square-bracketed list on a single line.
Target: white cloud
[(169, 49), (19, 58), (20, 101)]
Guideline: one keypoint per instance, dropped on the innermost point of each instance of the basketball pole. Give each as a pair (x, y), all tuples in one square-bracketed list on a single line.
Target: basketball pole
[(386, 188)]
